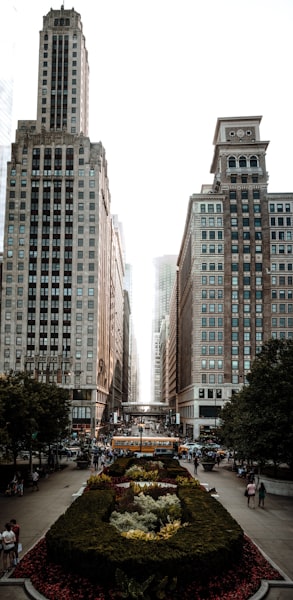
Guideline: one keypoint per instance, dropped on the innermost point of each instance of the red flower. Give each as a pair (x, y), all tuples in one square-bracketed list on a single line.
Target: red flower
[(51, 581)]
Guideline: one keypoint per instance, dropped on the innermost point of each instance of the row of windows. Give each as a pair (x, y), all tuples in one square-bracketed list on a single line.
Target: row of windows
[(211, 322), (246, 280), (212, 235), (282, 294), (212, 279), (212, 378), (246, 249), (212, 249), (246, 308), (280, 207), (281, 235), (212, 350), (212, 266), (244, 178), (212, 293), (281, 249), (244, 194), (247, 321), (280, 267), (211, 393), (212, 364), (211, 221), (211, 208), (282, 335), (35, 205), (212, 336), (218, 308), (219, 364), (282, 308), (282, 322), (44, 305), (282, 280), (211, 308), (44, 340), (246, 222), (281, 221), (242, 162)]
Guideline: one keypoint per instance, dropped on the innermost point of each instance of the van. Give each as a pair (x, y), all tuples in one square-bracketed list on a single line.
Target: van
[(161, 452)]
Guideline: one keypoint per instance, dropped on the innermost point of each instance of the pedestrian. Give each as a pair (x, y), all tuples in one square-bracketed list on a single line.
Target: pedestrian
[(8, 541), (16, 530), (218, 460), (1, 554), (96, 460), (35, 480), (195, 462), (261, 495), (250, 488)]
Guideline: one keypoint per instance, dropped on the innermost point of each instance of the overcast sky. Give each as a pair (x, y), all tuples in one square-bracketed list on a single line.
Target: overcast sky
[(161, 73)]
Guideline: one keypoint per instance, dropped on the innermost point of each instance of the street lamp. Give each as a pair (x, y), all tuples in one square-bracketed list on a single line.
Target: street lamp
[(140, 429)]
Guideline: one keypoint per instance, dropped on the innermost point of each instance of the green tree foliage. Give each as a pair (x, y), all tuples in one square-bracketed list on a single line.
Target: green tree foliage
[(258, 422), (32, 414)]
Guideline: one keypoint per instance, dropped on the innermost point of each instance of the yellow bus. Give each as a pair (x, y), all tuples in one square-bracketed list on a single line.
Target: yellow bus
[(144, 444)]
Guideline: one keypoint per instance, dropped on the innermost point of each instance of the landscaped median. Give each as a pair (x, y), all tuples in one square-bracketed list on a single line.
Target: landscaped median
[(146, 529)]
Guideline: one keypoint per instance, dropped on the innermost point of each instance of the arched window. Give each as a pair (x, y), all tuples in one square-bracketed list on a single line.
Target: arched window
[(232, 161), (242, 161), (253, 161)]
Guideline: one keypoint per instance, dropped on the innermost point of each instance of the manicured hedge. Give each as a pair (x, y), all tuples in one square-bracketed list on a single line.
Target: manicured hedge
[(83, 540)]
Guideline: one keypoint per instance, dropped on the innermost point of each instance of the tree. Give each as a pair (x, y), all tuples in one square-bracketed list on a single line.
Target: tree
[(258, 421), (33, 413)]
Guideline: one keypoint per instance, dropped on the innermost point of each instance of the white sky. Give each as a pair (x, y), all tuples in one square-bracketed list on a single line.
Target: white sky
[(161, 73)]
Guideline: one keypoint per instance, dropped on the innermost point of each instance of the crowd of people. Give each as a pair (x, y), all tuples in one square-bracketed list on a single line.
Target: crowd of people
[(15, 486), (9, 546)]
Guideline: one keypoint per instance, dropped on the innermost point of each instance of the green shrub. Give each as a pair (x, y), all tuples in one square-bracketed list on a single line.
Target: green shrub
[(83, 540)]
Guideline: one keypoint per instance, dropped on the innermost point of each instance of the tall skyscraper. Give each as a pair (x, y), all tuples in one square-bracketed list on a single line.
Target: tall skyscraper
[(235, 275), (165, 272), (58, 307), (7, 49)]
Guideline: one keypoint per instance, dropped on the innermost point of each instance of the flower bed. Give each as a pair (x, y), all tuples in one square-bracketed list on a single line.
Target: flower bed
[(55, 583), (145, 541), (203, 540)]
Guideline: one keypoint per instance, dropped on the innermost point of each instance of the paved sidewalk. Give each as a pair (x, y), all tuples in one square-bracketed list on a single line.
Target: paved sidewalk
[(271, 529)]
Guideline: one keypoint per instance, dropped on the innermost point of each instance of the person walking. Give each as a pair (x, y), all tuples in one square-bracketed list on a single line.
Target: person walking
[(16, 530), (8, 541), (96, 460), (261, 495), (251, 487), (35, 479), (1, 554), (195, 462)]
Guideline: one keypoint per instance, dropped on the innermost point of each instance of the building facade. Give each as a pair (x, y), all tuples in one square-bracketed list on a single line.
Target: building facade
[(165, 271), (234, 276), (59, 308)]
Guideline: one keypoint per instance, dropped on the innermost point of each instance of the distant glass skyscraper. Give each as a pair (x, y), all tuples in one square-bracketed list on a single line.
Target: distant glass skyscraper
[(165, 272)]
